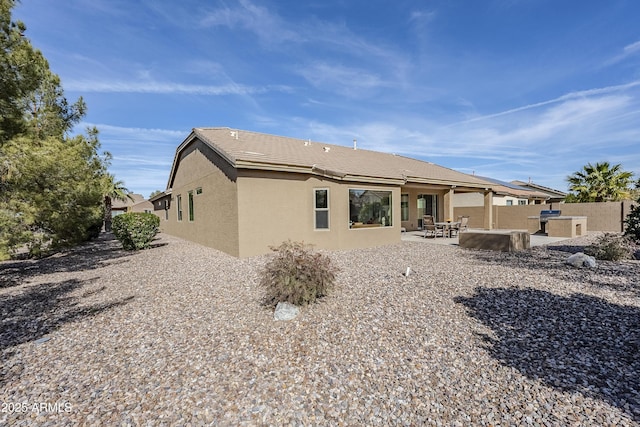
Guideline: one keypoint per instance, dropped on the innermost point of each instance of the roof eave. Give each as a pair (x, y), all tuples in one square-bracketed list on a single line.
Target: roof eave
[(196, 135), (447, 183), (318, 171)]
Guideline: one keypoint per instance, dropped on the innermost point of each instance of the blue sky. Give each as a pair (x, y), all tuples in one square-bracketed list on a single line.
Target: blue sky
[(510, 89)]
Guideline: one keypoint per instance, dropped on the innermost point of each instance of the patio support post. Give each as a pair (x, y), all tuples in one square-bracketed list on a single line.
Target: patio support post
[(448, 204), (488, 210)]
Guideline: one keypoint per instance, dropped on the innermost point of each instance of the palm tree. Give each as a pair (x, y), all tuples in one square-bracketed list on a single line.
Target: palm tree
[(112, 190), (600, 183)]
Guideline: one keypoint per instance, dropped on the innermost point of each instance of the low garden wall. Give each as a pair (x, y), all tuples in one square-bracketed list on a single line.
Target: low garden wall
[(606, 216)]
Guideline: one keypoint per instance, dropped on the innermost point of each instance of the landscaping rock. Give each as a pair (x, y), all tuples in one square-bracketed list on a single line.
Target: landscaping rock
[(581, 260), (286, 311)]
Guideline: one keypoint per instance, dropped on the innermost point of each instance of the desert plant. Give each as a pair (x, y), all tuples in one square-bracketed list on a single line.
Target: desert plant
[(611, 247), (297, 275), (135, 230), (632, 223)]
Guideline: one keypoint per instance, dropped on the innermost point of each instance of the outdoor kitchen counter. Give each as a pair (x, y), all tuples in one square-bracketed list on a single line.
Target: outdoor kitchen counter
[(559, 226)]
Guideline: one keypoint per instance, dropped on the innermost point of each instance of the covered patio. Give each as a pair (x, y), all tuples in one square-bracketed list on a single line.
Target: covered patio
[(418, 200), (418, 236)]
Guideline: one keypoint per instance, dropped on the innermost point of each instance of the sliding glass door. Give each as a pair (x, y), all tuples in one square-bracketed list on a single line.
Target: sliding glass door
[(427, 205)]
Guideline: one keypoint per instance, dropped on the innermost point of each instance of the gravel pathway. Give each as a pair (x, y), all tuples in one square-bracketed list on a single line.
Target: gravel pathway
[(176, 335)]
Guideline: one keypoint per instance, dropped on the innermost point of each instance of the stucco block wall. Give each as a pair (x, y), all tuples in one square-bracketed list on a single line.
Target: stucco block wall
[(215, 221), (505, 241), (567, 226), (608, 216), (276, 206), (475, 214)]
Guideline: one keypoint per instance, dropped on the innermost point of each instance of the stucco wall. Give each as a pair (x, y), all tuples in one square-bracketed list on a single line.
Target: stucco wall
[(215, 222), (607, 216), (275, 206), (475, 214)]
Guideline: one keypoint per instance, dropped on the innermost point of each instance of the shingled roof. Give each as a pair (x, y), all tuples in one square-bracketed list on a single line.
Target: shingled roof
[(252, 150)]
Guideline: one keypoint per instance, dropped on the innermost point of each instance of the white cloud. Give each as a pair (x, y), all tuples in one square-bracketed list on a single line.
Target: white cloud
[(269, 27), (632, 48), (87, 86), (422, 16), (338, 78), (135, 131), (627, 51), (545, 141), (142, 161), (565, 97)]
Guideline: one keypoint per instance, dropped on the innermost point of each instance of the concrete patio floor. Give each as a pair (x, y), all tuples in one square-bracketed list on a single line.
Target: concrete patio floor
[(418, 236)]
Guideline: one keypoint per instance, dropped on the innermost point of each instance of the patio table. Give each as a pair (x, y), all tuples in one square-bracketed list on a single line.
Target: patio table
[(448, 226)]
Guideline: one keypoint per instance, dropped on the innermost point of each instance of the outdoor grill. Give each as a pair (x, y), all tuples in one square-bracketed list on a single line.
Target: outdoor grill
[(544, 217)]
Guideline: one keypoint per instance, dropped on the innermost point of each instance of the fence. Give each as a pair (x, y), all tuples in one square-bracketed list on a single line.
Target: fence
[(607, 216)]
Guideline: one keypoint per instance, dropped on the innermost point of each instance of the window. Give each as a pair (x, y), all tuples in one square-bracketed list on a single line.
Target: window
[(522, 202), (404, 207), (179, 206), (190, 205), (509, 202), (370, 208), (199, 190), (321, 208)]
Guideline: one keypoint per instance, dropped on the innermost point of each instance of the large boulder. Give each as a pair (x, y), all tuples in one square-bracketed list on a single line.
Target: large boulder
[(581, 260), (286, 311)]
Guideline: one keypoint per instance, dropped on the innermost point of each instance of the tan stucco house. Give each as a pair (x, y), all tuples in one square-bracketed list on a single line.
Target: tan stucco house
[(132, 203), (504, 194), (553, 195), (242, 192)]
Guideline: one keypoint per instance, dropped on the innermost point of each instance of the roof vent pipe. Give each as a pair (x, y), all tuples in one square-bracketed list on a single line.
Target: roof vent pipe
[(355, 144)]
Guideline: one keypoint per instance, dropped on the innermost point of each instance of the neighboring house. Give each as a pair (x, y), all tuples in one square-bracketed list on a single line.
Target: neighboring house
[(554, 196), (242, 192), (505, 194), (133, 203)]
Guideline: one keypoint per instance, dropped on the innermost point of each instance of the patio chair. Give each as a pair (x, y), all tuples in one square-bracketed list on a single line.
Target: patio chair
[(430, 228), (464, 223)]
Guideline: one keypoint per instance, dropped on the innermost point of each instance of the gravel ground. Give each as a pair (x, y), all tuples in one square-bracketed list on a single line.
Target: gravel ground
[(177, 335)]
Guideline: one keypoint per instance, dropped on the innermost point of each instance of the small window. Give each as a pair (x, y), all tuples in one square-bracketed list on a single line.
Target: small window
[(509, 202), (321, 209), (179, 206), (522, 202), (198, 190), (191, 215), (404, 207)]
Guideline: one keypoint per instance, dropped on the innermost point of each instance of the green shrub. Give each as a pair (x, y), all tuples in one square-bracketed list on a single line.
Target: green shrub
[(632, 222), (611, 247), (297, 275), (135, 230)]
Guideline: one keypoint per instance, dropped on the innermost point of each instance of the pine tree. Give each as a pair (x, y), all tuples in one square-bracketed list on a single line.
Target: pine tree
[(50, 183)]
